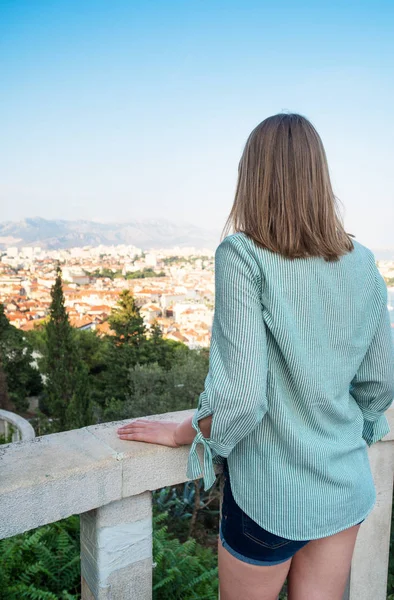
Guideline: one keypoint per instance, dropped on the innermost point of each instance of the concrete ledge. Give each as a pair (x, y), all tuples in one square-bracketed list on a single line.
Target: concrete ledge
[(146, 467), (54, 476)]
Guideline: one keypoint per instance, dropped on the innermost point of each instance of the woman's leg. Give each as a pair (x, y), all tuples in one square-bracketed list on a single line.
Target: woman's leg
[(239, 580), (320, 570)]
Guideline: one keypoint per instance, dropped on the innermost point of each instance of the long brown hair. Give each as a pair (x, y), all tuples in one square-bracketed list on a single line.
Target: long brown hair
[(284, 199)]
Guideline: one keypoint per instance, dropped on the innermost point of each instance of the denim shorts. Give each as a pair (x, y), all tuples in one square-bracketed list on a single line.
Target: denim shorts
[(245, 539)]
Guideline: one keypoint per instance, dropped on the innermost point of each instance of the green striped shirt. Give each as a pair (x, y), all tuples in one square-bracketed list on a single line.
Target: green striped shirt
[(301, 371)]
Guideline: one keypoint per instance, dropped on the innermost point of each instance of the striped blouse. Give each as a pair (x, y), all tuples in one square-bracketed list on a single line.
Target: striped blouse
[(301, 371)]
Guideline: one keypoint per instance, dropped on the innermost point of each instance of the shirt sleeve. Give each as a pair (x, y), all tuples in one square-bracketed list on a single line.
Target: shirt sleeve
[(373, 385), (235, 387)]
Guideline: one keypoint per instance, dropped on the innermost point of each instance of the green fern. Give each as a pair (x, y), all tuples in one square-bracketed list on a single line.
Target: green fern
[(42, 564), (182, 571)]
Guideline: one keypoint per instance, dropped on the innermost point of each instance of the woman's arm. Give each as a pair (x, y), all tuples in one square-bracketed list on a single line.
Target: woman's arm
[(166, 433), (185, 432), (373, 385), (235, 388)]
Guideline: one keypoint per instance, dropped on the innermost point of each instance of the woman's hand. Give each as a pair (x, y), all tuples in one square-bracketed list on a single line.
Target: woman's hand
[(153, 432)]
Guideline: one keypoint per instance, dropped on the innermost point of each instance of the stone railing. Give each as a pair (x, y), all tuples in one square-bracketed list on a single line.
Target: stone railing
[(108, 481), (21, 429)]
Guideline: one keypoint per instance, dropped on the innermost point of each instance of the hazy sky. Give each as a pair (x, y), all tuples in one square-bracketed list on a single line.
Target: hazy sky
[(124, 109)]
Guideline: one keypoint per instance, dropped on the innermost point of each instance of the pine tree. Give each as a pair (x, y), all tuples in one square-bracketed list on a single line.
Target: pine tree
[(155, 333), (68, 396), (161, 350), (128, 345), (126, 321)]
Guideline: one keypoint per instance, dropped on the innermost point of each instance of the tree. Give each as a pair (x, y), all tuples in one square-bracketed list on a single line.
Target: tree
[(67, 393), (128, 345), (163, 351), (79, 412), (126, 321), (18, 377), (94, 351), (154, 390), (5, 402), (157, 345)]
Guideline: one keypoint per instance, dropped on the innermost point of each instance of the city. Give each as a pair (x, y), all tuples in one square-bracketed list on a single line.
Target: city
[(174, 287)]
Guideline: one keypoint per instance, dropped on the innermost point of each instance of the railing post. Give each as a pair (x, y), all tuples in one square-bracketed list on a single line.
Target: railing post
[(368, 576), (116, 550)]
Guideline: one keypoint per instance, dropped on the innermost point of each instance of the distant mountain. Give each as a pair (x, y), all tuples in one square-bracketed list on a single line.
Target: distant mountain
[(143, 233)]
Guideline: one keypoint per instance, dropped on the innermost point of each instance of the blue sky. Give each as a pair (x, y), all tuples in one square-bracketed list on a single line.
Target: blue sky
[(127, 109)]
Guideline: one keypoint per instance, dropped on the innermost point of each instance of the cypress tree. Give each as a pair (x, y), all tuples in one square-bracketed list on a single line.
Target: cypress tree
[(67, 392)]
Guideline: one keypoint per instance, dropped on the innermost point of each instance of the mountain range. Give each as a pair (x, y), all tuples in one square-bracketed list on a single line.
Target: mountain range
[(143, 233)]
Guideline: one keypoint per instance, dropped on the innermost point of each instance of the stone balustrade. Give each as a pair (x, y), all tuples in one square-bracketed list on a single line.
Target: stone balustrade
[(22, 430), (108, 481)]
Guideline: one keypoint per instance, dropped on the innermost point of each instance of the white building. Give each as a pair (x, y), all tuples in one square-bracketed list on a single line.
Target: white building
[(150, 260), (27, 252), (75, 275), (188, 314), (168, 300)]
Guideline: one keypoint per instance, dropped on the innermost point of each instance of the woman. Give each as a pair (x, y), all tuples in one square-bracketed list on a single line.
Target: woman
[(301, 371)]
